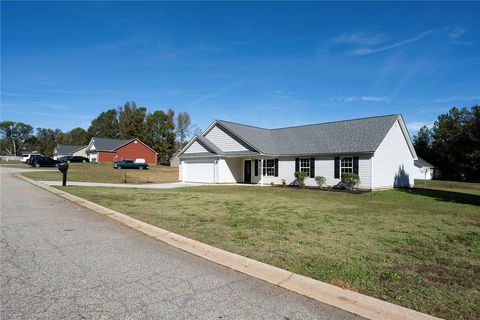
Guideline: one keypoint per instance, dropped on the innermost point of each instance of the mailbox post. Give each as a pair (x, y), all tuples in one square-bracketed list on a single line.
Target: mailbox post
[(63, 167)]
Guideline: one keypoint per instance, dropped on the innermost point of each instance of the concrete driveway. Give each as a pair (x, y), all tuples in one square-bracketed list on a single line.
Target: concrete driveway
[(61, 261)]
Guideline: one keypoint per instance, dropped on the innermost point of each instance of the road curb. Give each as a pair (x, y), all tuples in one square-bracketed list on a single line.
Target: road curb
[(362, 305)]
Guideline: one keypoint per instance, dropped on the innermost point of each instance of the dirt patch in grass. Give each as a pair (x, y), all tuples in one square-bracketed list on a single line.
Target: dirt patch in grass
[(343, 284), (408, 248)]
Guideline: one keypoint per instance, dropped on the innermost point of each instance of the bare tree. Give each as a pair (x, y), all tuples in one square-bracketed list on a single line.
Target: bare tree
[(183, 127)]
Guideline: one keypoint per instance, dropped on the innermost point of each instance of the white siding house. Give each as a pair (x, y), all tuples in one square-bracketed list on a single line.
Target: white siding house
[(423, 169), (224, 141), (63, 150), (378, 149), (392, 162)]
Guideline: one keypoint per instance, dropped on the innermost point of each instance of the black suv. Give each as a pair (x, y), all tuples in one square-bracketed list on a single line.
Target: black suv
[(33, 157), (74, 159), (45, 162)]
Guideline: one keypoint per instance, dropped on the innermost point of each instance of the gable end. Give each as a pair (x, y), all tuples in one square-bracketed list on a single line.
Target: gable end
[(226, 140)]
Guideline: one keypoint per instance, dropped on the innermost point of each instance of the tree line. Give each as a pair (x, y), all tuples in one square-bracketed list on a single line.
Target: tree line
[(453, 144), (163, 131)]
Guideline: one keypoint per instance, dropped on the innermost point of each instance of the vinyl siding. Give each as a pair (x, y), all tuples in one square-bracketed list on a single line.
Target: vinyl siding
[(230, 170), (81, 152), (324, 166), (417, 174), (392, 161), (196, 147), (224, 141)]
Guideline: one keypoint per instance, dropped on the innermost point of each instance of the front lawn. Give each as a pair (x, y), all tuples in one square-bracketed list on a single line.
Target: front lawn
[(419, 248), (103, 172), (455, 186), (13, 164)]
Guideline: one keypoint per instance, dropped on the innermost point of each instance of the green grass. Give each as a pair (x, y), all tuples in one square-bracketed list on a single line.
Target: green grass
[(466, 187), (13, 164), (419, 248), (103, 172)]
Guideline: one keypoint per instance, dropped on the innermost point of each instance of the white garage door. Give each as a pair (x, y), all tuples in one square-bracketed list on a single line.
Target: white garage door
[(199, 171)]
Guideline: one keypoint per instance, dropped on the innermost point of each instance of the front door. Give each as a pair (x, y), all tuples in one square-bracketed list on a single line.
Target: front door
[(247, 172)]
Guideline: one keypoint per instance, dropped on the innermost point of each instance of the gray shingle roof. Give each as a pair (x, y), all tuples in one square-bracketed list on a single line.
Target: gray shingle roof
[(209, 145), (67, 149), (213, 150), (422, 163), (356, 135), (105, 144)]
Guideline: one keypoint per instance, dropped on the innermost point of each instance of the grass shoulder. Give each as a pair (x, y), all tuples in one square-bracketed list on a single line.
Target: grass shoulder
[(103, 172), (420, 250)]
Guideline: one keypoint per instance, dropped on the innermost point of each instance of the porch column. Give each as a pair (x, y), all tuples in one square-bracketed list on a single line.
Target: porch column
[(261, 172)]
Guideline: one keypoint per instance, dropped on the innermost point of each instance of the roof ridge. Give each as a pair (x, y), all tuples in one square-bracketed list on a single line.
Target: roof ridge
[(115, 138), (312, 124), (336, 121), (242, 124), (71, 145)]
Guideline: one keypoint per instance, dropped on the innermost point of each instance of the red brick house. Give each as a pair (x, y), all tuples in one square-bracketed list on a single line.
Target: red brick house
[(110, 150)]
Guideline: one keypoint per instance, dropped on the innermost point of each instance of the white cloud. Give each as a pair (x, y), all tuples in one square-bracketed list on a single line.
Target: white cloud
[(13, 94), (416, 125), (280, 94), (368, 50), (53, 115), (361, 38), (360, 98), (456, 98), (286, 95), (456, 33)]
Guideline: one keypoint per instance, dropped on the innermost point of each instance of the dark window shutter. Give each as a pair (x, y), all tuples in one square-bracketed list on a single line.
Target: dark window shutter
[(276, 167), (297, 164), (355, 165), (264, 167), (337, 168), (312, 167), (256, 167)]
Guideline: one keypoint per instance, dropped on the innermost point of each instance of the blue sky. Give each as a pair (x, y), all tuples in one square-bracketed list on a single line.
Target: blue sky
[(265, 64)]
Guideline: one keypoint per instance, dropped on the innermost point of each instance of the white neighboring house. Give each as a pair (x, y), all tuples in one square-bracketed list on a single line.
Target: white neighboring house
[(378, 149), (424, 170), (63, 150)]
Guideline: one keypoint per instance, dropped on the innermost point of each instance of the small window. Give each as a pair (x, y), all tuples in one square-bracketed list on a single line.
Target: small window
[(268, 167), (346, 165), (305, 165)]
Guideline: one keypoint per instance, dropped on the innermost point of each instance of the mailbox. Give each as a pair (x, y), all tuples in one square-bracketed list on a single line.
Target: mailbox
[(63, 167)]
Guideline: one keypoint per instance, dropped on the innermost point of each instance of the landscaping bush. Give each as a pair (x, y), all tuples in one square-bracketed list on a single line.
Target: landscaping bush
[(300, 178), (351, 180), (284, 183), (320, 180)]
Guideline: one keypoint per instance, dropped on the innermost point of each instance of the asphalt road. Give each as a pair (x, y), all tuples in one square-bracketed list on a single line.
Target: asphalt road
[(61, 261)]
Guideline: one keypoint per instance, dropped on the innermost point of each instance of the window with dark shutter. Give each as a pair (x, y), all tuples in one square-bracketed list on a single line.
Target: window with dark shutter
[(297, 164), (256, 167), (312, 167), (346, 165), (337, 168), (276, 167), (305, 166), (355, 165)]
